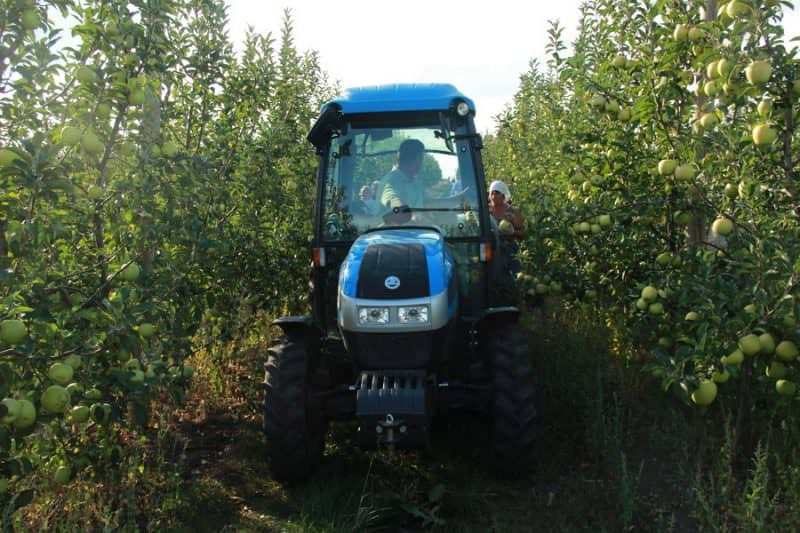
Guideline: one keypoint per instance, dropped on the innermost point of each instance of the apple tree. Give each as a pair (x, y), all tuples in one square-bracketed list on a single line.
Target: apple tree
[(655, 163)]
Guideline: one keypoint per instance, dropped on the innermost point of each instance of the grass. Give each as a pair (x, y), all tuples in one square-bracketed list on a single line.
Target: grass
[(613, 454)]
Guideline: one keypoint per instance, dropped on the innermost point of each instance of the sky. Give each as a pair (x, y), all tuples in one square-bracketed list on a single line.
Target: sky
[(372, 42)]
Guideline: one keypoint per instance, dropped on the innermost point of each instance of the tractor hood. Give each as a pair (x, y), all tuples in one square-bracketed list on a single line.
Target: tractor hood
[(393, 270)]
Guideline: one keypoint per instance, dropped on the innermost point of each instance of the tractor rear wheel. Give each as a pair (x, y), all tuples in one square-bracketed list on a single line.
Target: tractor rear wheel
[(512, 399), (296, 437)]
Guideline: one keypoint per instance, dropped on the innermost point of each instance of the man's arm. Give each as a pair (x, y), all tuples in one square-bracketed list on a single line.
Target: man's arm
[(392, 195)]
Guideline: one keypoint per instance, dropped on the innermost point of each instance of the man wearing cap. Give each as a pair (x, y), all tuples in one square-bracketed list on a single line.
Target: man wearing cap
[(398, 187)]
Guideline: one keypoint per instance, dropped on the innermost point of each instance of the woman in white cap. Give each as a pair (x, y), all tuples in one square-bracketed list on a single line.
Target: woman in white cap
[(514, 228)]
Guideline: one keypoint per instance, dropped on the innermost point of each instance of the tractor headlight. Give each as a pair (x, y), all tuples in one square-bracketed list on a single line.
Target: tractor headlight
[(417, 314), (462, 108), (373, 315)]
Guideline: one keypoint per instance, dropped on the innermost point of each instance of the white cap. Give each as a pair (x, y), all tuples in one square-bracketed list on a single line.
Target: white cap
[(500, 187)]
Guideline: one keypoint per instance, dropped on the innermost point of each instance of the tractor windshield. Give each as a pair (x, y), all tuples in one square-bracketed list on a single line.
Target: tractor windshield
[(383, 177)]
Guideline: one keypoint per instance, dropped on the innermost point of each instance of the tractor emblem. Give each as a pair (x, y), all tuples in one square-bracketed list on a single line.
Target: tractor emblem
[(392, 282)]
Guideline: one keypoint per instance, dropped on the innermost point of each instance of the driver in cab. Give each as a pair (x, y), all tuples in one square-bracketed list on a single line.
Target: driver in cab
[(399, 188)]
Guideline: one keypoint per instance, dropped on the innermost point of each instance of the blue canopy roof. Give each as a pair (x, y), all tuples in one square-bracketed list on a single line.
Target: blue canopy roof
[(399, 97)]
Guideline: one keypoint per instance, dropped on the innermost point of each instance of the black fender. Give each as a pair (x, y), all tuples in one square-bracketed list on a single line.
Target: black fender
[(492, 315), (299, 326)]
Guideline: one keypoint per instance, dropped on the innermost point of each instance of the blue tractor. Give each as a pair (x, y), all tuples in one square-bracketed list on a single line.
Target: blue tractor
[(411, 315)]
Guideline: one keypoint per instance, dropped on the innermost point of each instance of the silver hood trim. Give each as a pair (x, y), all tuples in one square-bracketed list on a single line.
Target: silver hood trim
[(347, 312)]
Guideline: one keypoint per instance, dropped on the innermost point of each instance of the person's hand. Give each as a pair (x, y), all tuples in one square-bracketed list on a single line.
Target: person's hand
[(506, 228)]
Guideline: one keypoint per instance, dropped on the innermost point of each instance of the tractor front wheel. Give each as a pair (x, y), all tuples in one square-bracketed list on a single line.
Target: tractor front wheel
[(295, 435)]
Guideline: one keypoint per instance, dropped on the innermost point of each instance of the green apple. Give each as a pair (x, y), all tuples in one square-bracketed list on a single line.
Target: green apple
[(692, 316), (711, 88), (686, 171), (597, 100), (749, 345), (712, 71), (681, 33), (71, 135), (787, 351), (619, 61), (751, 309), (641, 304), (764, 134), (656, 308), (95, 192), (612, 106), (13, 331), (681, 218), (736, 9), (542, 288), (104, 110), (724, 68), (767, 343), (12, 410), (93, 394), (61, 373), (147, 330), (604, 221), (765, 108), (720, 377), (55, 399), (649, 293), (584, 227), (784, 387), (776, 370), (735, 358), (695, 34), (130, 272), (709, 120), (169, 149), (722, 226), (26, 416), (75, 389), (789, 321), (62, 475), (758, 72), (667, 166), (624, 114), (705, 393), (133, 364), (74, 361), (731, 191), (92, 144), (30, 19), (664, 258), (86, 74), (155, 152), (79, 414)]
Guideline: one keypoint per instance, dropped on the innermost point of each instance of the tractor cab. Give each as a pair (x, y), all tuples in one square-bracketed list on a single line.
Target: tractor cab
[(358, 139)]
